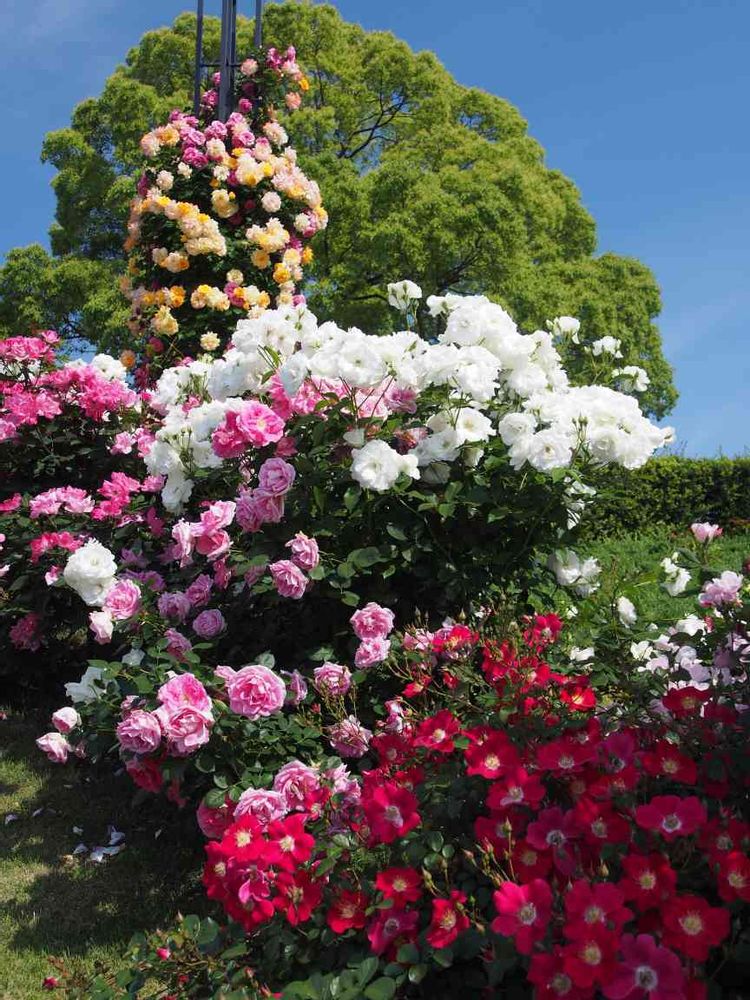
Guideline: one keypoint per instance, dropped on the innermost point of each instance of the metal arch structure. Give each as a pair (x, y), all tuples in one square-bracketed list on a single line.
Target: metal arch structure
[(227, 54)]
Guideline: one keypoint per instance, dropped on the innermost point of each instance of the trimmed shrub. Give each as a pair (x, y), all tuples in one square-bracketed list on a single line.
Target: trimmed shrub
[(671, 490)]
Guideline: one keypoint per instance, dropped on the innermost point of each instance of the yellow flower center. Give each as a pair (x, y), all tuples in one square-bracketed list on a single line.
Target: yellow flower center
[(692, 923), (592, 954), (594, 915)]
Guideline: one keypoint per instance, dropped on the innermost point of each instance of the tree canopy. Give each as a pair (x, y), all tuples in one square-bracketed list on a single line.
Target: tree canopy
[(422, 177)]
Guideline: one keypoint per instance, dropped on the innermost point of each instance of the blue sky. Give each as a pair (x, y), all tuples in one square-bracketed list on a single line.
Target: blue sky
[(643, 104)]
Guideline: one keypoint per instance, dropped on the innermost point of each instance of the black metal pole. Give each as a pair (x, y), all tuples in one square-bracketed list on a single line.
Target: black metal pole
[(198, 58), (258, 40), (227, 58)]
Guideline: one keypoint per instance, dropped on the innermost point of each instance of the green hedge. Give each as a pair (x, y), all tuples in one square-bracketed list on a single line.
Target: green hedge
[(673, 491)]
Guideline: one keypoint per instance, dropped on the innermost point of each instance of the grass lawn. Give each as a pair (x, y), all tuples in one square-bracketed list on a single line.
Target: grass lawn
[(54, 904), (629, 555)]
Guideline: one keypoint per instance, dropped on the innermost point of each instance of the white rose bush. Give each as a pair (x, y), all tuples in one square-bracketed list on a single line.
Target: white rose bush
[(323, 587)]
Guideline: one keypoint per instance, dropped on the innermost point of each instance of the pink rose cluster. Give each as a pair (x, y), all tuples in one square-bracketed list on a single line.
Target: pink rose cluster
[(253, 424), (54, 744), (184, 716), (265, 504), (372, 625), (254, 691), (722, 591), (67, 498), (208, 537)]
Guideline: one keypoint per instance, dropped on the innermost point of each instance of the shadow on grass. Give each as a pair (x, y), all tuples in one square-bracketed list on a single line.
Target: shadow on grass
[(54, 903)]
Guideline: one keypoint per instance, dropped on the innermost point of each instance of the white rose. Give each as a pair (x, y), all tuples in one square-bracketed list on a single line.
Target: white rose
[(626, 611), (607, 345), (565, 326), (86, 689), (677, 578), (176, 492), (377, 466), (578, 655), (109, 367), (402, 293), (90, 571)]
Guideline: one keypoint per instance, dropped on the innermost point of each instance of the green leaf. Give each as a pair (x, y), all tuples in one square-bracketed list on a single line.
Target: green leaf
[(208, 931), (408, 954), (381, 989), (367, 969), (363, 558)]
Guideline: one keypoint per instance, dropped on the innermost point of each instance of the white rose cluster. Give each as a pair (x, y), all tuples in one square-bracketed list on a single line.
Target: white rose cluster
[(581, 575), (495, 382)]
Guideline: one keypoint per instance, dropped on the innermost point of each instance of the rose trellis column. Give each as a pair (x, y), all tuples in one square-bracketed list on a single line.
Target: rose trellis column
[(227, 54)]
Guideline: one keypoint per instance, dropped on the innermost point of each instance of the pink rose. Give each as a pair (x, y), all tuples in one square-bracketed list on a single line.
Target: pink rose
[(101, 624), (254, 691), (65, 719), (185, 689), (258, 424), (349, 737), (296, 781), (288, 579), (183, 543), (209, 624), (372, 622), (264, 805), (276, 476), (199, 591), (332, 679), (174, 605), (721, 590), (213, 544), (55, 746), (227, 440), (123, 600), (213, 822), (139, 732), (296, 687), (222, 574), (254, 574), (185, 729), (305, 551), (705, 532), (256, 508), (371, 651), (178, 645)]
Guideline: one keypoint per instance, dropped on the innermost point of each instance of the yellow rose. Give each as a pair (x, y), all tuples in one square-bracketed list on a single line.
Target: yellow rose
[(260, 259), (209, 341)]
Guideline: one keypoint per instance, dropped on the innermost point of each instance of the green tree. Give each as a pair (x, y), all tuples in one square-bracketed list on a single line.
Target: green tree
[(423, 178)]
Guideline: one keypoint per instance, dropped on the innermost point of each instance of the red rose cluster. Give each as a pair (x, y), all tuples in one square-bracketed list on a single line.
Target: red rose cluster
[(610, 850)]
